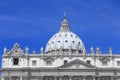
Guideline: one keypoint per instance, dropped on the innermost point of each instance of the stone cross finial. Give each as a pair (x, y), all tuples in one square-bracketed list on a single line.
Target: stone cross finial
[(64, 14), (16, 45)]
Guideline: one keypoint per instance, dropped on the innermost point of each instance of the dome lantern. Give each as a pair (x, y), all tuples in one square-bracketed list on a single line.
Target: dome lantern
[(65, 25)]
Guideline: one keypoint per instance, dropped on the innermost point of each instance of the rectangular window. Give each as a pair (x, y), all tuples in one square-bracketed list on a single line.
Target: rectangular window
[(65, 61), (88, 61), (104, 63), (33, 63), (48, 63), (15, 61), (118, 63)]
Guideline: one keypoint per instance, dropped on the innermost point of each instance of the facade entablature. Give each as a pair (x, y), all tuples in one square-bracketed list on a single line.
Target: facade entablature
[(60, 55), (12, 56)]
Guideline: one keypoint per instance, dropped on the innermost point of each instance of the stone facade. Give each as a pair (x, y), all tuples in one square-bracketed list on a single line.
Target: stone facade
[(65, 58)]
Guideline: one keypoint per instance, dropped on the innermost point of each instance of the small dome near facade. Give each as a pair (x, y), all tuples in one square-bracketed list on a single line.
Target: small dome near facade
[(65, 40)]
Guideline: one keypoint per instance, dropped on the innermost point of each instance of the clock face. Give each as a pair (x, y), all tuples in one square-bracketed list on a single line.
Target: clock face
[(15, 61)]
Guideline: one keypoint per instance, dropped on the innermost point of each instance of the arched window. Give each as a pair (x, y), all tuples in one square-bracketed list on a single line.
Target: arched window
[(105, 63), (48, 62), (65, 78), (73, 42), (77, 78), (15, 61), (105, 78), (48, 78), (60, 35), (66, 41), (89, 78), (65, 35)]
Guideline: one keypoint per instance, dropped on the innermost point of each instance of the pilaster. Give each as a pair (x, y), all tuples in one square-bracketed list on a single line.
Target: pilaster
[(112, 78), (84, 77), (21, 78), (93, 78), (41, 78), (70, 77), (60, 77)]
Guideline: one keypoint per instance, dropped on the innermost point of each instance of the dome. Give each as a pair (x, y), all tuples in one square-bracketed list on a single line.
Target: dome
[(65, 40)]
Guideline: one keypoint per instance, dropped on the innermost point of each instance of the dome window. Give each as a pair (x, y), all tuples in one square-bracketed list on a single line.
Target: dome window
[(60, 35), (66, 41), (65, 35), (71, 35), (73, 42), (52, 42), (79, 43), (76, 36), (58, 41)]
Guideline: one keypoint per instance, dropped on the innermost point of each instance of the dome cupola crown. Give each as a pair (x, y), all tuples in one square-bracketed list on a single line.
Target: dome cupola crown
[(65, 40), (64, 25)]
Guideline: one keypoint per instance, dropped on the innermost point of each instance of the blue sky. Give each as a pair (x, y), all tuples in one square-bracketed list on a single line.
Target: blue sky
[(32, 22)]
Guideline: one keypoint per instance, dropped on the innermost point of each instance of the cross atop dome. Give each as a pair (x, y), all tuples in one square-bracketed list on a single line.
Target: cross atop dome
[(65, 25), (64, 15)]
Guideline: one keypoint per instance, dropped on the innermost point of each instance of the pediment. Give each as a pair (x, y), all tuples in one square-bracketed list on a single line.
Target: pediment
[(77, 64), (16, 50)]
